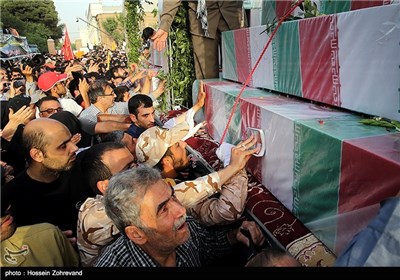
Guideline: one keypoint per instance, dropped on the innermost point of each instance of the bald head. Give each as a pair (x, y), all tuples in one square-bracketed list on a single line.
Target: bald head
[(43, 127), (40, 132)]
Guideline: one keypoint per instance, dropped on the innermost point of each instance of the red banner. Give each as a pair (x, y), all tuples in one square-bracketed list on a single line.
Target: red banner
[(66, 48)]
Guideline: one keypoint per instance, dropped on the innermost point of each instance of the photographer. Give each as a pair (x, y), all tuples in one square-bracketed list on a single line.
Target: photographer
[(4, 90), (23, 78), (4, 84)]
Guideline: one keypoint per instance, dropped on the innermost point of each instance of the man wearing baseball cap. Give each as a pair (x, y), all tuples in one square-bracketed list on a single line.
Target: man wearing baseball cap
[(53, 84), (164, 148)]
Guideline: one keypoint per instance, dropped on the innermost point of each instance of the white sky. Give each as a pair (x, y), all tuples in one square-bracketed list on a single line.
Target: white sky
[(69, 10)]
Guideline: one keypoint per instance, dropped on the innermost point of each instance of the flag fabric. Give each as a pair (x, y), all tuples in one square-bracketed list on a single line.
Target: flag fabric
[(66, 50), (317, 59), (113, 46)]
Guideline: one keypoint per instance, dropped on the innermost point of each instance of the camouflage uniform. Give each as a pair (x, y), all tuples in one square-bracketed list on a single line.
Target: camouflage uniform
[(225, 208), (96, 230), (152, 145)]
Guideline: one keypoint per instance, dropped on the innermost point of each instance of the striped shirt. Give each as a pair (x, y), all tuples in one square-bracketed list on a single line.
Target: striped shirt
[(205, 245)]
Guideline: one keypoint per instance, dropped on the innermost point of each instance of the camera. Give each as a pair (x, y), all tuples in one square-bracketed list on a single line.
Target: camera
[(36, 61), (19, 83)]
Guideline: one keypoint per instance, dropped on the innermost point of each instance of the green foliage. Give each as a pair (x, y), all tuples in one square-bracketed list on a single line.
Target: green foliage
[(378, 121), (134, 16), (114, 27), (181, 74), (38, 34), (309, 9), (35, 19), (154, 12)]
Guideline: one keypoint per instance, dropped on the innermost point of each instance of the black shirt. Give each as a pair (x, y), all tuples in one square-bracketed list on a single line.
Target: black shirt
[(35, 202)]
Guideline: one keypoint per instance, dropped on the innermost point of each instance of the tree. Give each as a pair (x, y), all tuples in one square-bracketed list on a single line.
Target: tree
[(114, 27), (37, 20)]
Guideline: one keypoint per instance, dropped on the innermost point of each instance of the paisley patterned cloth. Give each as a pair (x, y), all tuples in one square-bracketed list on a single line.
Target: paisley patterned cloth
[(298, 240)]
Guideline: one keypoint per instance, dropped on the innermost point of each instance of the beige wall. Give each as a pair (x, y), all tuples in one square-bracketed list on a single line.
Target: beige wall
[(51, 46), (105, 40), (78, 44), (149, 20)]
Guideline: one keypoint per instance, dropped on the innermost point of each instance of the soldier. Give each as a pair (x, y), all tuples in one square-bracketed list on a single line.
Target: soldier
[(165, 149)]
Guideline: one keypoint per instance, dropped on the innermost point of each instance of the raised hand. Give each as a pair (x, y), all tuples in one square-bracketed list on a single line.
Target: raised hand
[(159, 39)]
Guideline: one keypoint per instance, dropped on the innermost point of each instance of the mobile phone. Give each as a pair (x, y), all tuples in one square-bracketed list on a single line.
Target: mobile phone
[(259, 136)]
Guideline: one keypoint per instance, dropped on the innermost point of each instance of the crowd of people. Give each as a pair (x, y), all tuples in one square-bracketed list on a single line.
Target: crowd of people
[(92, 177), (60, 159)]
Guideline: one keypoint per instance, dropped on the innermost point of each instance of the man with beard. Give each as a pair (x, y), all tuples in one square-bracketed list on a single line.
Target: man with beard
[(54, 84), (41, 193), (142, 114), (165, 149)]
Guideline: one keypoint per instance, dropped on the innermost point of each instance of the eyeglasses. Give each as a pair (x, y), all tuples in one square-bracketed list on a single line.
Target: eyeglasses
[(110, 94), (51, 110)]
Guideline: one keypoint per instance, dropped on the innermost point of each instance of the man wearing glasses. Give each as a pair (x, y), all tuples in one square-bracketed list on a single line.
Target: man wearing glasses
[(48, 105), (102, 101)]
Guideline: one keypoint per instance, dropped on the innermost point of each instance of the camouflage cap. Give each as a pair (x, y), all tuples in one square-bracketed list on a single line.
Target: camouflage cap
[(155, 141)]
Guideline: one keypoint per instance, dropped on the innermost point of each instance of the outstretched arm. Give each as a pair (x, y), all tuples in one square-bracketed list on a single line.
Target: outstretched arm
[(169, 9)]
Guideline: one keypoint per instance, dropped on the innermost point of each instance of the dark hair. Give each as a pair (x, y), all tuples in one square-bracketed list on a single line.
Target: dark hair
[(119, 92), (18, 101), (97, 89), (92, 75), (46, 98), (16, 69), (137, 101), (147, 33), (33, 138), (113, 136), (115, 69), (74, 83), (93, 168), (74, 126)]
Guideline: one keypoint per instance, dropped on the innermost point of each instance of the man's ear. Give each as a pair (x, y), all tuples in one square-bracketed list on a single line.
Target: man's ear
[(53, 90), (167, 161), (36, 155), (102, 185), (136, 235), (133, 118)]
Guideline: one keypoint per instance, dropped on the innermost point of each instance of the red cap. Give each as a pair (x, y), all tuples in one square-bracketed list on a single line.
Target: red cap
[(48, 79)]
